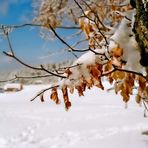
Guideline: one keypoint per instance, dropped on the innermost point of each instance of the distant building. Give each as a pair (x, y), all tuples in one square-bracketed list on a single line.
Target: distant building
[(13, 87)]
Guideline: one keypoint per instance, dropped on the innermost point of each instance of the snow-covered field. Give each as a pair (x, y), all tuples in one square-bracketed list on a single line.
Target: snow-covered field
[(98, 120)]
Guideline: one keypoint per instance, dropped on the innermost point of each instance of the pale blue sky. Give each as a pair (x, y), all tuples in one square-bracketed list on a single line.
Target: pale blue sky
[(26, 41)]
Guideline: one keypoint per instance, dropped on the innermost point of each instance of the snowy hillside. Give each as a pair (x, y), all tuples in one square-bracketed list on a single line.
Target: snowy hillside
[(97, 120)]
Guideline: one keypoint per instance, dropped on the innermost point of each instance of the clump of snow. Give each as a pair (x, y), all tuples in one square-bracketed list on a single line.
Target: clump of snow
[(81, 67), (124, 37)]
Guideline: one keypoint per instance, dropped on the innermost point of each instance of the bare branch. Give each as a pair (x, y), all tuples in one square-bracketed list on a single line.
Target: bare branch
[(74, 35), (130, 71), (9, 80), (80, 8), (8, 39), (63, 68), (76, 44), (37, 25), (123, 70), (29, 66), (41, 92), (65, 43), (54, 74), (69, 27), (25, 77), (12, 55), (32, 77)]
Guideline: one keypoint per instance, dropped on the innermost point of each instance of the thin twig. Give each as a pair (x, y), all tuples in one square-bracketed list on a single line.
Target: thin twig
[(54, 74), (78, 33), (40, 93), (130, 71), (37, 25), (76, 44), (12, 55), (146, 108), (65, 43), (32, 77), (24, 77), (9, 80), (8, 39), (29, 66), (63, 68), (123, 70), (94, 14), (70, 47)]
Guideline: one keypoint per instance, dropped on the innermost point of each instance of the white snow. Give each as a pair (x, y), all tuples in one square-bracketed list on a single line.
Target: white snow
[(98, 119), (125, 37)]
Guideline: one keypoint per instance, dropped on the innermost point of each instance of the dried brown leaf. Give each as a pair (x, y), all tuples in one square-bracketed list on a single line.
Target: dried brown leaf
[(138, 99), (80, 90), (42, 98), (66, 98), (108, 66), (54, 96), (117, 52), (71, 90), (68, 72), (125, 96)]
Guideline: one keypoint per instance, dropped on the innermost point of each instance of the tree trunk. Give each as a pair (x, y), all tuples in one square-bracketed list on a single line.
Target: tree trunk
[(141, 30)]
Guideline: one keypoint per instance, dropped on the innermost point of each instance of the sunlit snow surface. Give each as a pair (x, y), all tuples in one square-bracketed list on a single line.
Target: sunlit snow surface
[(98, 120)]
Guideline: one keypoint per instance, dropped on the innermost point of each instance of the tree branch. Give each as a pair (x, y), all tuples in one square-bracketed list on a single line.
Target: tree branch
[(37, 25), (40, 93), (32, 77), (29, 66), (65, 43), (12, 55), (123, 70), (63, 68), (145, 107), (9, 80), (6, 33), (25, 77), (96, 16)]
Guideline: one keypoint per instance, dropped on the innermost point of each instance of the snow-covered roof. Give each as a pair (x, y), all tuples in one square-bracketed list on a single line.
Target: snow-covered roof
[(12, 85)]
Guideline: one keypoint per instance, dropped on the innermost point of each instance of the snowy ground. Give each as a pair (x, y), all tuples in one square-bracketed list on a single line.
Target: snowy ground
[(97, 120)]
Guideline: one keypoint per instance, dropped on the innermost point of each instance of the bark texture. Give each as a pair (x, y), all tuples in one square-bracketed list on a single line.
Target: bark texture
[(141, 30)]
